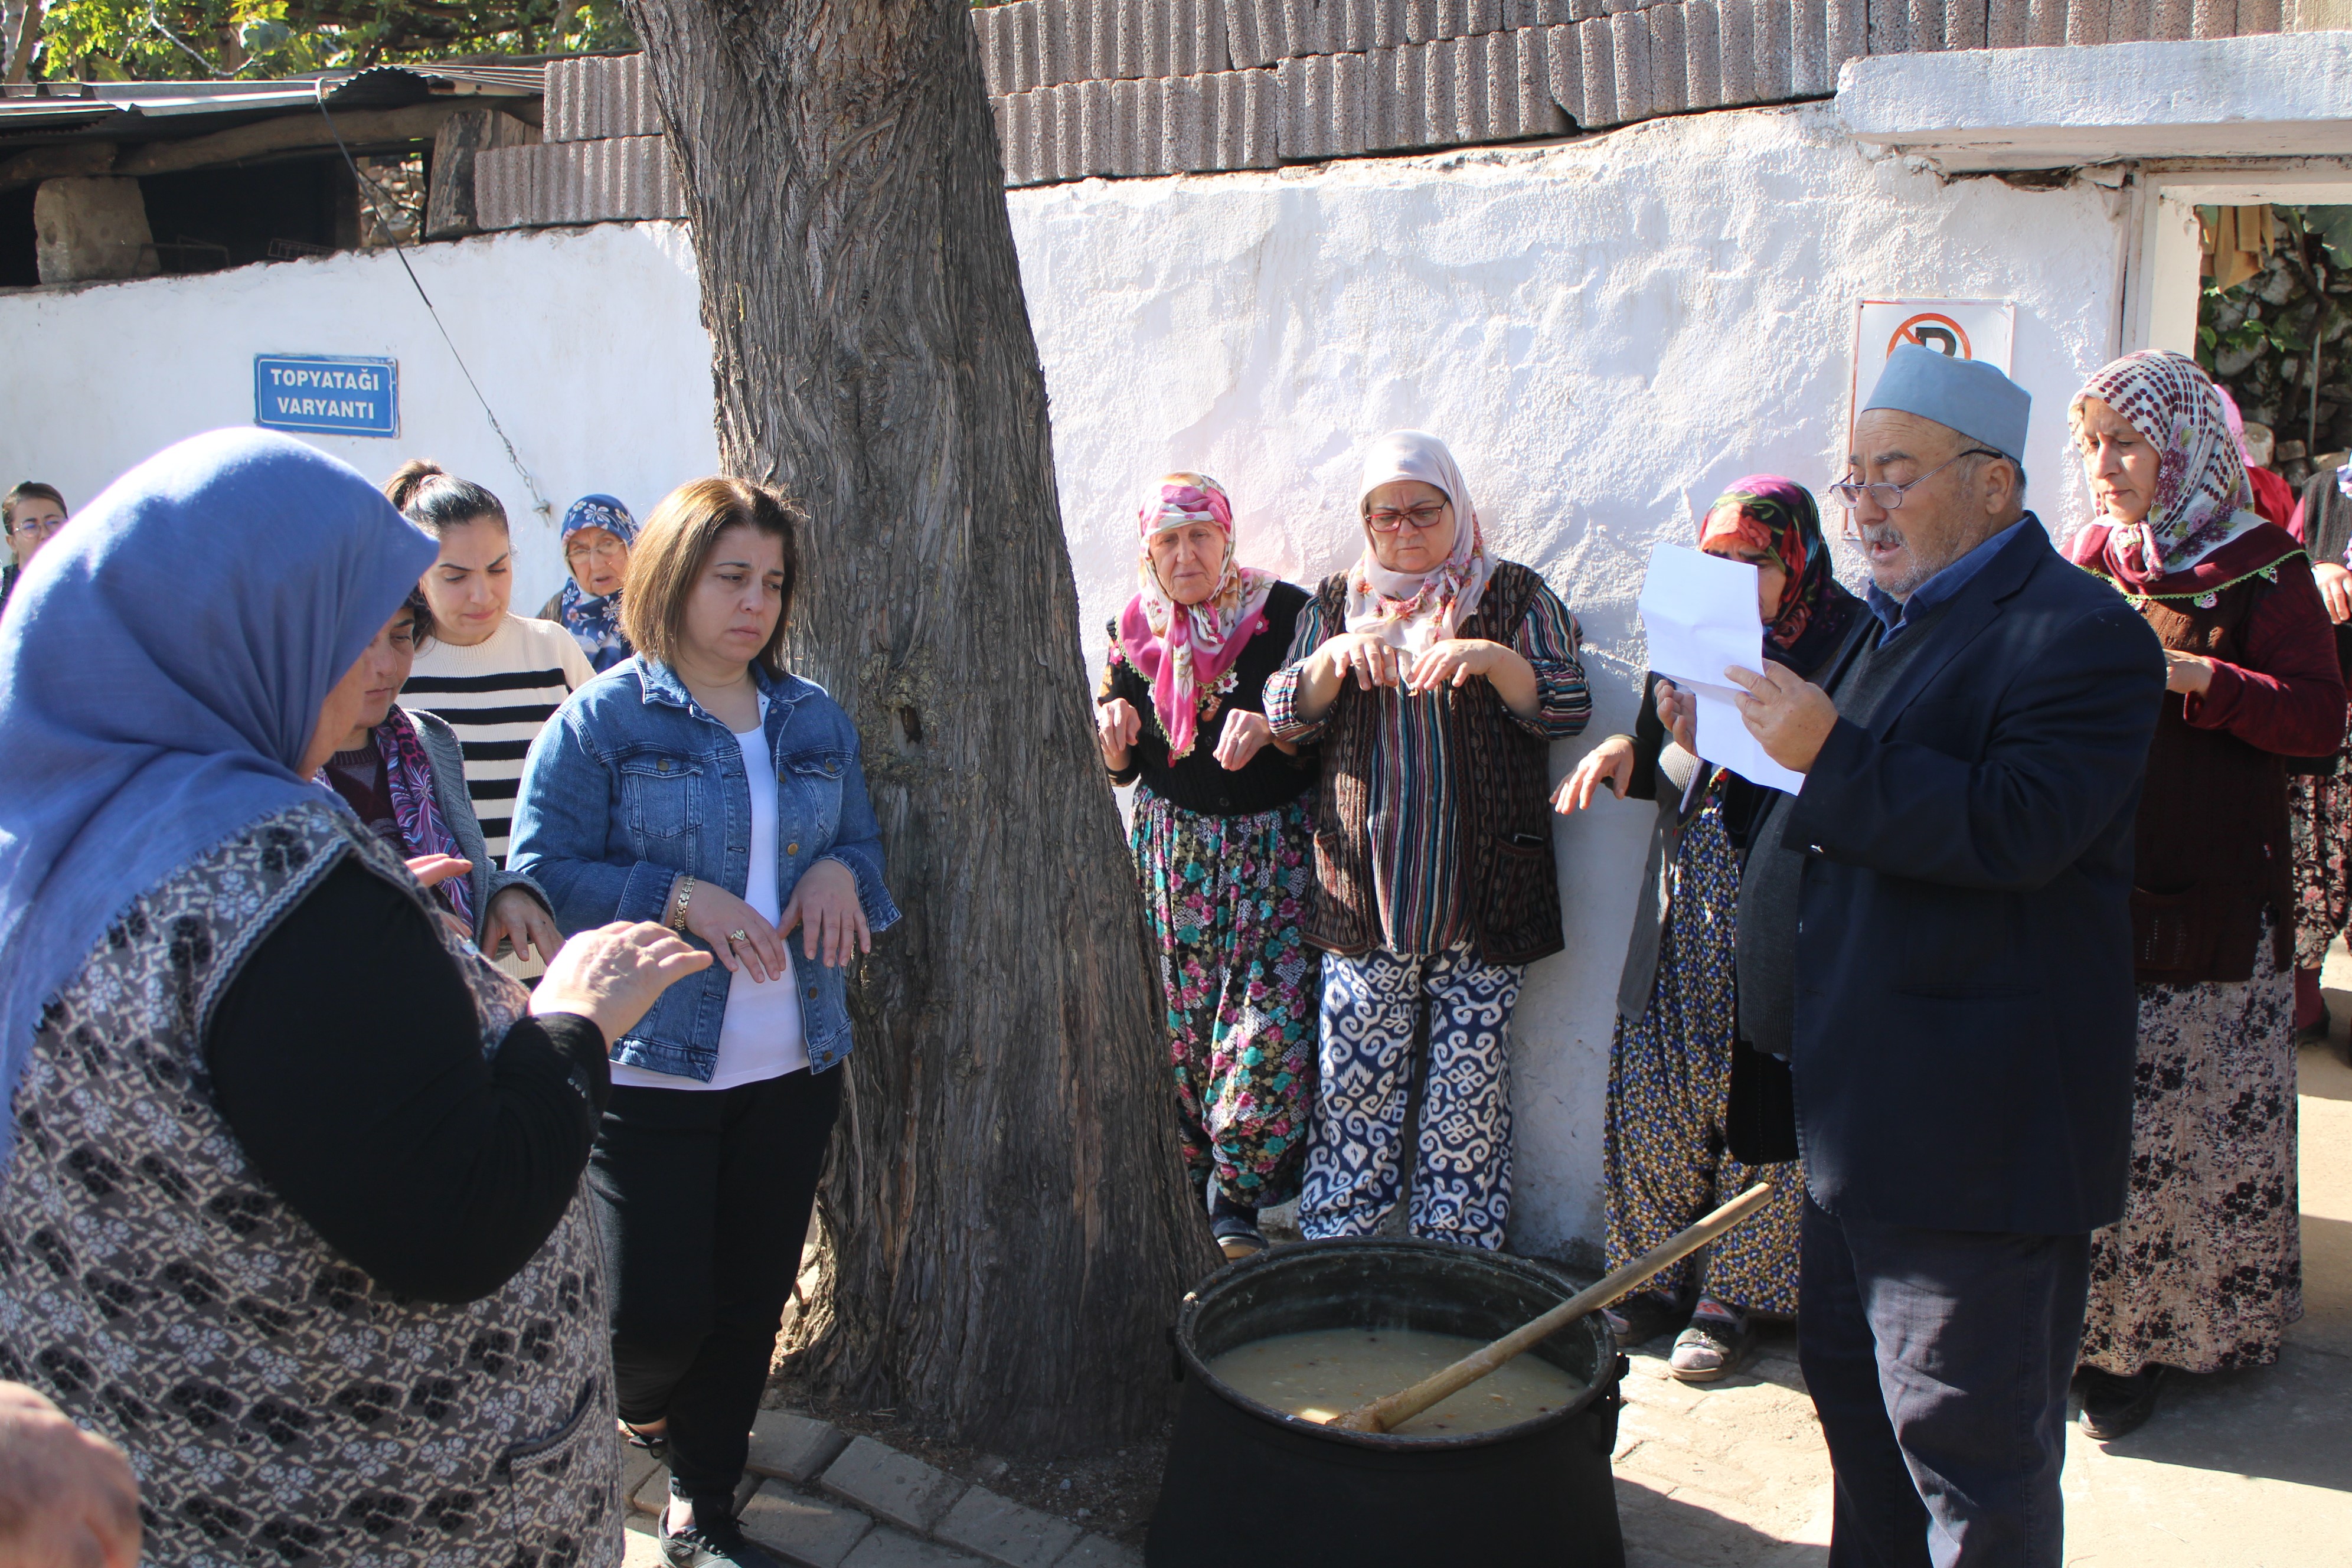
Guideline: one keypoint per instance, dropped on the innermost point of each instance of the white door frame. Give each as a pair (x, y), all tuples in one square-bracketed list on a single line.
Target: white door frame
[(2161, 284)]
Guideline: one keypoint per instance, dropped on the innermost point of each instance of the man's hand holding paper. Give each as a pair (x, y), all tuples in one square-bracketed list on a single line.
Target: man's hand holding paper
[(1699, 613), (1790, 716)]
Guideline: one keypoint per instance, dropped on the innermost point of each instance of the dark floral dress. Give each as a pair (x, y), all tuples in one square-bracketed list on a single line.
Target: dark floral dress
[(1227, 865)]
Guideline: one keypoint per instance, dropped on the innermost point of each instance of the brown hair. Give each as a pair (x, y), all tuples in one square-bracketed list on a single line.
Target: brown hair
[(434, 499), (31, 490), (667, 559)]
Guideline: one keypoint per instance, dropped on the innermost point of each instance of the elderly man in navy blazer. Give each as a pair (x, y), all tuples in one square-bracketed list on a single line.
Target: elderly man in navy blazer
[(1936, 931)]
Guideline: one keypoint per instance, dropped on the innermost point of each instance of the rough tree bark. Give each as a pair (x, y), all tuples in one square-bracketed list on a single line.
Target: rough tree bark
[(1009, 1224)]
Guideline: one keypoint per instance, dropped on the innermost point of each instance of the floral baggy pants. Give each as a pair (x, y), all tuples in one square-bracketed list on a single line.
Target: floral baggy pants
[(1462, 1181), (1226, 896)]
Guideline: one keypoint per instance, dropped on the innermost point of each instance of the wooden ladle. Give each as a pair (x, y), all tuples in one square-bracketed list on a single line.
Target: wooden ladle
[(1391, 1411)]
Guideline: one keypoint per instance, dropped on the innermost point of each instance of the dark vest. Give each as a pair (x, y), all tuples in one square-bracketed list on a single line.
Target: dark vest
[(2210, 846), (1512, 894)]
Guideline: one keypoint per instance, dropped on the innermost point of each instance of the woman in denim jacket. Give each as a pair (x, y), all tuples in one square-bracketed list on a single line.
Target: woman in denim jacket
[(699, 785)]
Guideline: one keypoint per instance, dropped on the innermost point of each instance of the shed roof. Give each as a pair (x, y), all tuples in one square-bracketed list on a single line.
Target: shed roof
[(123, 112)]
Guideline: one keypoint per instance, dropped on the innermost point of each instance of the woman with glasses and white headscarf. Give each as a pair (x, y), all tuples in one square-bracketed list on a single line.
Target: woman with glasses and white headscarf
[(1434, 679)]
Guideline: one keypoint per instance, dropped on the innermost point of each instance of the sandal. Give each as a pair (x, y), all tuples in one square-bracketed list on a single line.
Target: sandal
[(1717, 1341), (1641, 1318), (654, 1443)]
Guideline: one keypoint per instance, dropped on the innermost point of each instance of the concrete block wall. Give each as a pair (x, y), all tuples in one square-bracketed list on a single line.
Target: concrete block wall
[(612, 179), (1121, 88), (600, 97)]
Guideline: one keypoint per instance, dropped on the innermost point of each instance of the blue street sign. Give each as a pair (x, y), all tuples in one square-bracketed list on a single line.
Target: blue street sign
[(327, 394)]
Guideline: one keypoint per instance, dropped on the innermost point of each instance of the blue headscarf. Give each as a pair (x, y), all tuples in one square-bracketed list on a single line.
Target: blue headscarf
[(162, 665), (595, 619)]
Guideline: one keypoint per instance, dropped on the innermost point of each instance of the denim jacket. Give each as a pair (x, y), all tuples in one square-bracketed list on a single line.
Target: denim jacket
[(632, 782)]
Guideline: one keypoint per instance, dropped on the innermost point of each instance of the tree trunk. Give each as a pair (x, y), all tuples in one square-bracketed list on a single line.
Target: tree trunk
[(1010, 1227)]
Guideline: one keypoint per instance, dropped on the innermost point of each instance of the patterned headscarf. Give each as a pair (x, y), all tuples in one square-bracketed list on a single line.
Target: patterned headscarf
[(2202, 500), (1184, 649), (595, 619), (1413, 611), (408, 778), (1765, 511)]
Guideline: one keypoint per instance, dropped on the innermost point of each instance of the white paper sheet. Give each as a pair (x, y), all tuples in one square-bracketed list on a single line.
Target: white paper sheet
[(1699, 613)]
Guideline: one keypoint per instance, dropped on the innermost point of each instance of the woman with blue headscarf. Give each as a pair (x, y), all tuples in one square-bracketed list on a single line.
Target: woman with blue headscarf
[(292, 1174), (597, 533)]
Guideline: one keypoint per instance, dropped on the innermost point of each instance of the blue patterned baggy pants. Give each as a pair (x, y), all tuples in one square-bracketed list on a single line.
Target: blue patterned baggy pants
[(1462, 1184)]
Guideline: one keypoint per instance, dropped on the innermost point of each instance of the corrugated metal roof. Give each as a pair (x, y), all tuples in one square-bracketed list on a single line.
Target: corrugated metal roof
[(148, 110)]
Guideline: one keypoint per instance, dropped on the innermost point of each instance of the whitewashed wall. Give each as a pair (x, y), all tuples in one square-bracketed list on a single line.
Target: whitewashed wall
[(587, 343), (1597, 327)]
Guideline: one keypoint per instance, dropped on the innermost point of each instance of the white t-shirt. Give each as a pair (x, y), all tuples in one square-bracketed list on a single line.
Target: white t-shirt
[(761, 1036)]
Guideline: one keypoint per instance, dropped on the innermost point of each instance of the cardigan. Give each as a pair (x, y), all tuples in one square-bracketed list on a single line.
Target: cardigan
[(1197, 782), (1432, 822)]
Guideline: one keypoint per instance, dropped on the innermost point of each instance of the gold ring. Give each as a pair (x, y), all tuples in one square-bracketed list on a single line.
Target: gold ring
[(739, 936)]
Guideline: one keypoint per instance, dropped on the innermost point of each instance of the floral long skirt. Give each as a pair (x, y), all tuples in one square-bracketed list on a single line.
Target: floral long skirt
[(2319, 820), (1663, 1155), (1226, 896), (2205, 1271)]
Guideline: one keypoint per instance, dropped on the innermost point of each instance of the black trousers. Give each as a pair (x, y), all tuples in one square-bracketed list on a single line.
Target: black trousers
[(1938, 1362), (705, 1198)]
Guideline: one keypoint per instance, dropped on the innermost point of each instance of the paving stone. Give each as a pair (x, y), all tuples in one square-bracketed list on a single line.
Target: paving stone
[(888, 1549), (2009, 24), (1599, 43), (1676, 1465), (1735, 20), (1964, 24), (1003, 1531), (1701, 55), (639, 1549), (1564, 70), (794, 1448), (1849, 34), (890, 1485), (636, 1464), (1629, 35), (807, 1530), (1097, 1552), (651, 1494), (1772, 34), (2213, 19)]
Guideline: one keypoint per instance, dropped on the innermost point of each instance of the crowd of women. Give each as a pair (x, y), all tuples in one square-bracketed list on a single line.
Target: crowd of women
[(231, 1251)]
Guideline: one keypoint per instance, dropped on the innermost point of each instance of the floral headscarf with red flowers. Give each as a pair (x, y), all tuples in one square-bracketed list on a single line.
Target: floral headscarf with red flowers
[(1184, 649), (2203, 503), (1767, 512)]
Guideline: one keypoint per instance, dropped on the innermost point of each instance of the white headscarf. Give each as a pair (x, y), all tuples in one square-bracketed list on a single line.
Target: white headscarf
[(1412, 610)]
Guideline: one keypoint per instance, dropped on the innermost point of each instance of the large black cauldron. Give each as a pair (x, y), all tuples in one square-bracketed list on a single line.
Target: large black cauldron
[(1248, 1486)]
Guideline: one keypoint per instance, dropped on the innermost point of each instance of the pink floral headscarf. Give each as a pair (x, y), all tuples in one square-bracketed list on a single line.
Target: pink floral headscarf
[(1182, 649), (2203, 501)]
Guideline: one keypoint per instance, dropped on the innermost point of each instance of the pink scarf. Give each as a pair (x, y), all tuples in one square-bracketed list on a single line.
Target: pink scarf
[(1183, 649)]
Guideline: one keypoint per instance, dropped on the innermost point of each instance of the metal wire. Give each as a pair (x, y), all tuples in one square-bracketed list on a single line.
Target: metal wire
[(539, 503)]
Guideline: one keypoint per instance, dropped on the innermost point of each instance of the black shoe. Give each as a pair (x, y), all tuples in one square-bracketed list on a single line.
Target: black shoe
[(2113, 1406), (1237, 1233), (1234, 1225), (1642, 1317), (712, 1541)]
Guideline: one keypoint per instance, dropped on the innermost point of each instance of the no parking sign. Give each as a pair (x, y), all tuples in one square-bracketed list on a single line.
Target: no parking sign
[(1965, 329)]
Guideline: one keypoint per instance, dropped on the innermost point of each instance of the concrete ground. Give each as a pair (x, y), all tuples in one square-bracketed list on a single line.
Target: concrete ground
[(2251, 1469)]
